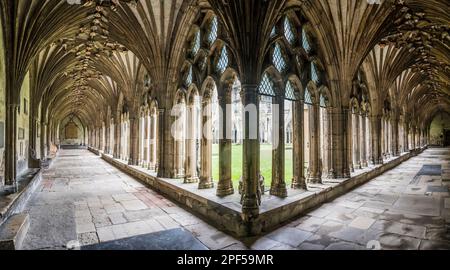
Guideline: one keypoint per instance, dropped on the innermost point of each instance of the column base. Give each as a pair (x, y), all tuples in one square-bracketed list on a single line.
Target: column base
[(279, 190), (315, 180), (250, 207), (364, 164), (191, 180), (299, 184), (357, 166), (225, 190), (206, 183)]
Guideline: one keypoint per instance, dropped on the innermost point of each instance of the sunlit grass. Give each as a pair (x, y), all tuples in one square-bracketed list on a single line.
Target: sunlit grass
[(265, 163)]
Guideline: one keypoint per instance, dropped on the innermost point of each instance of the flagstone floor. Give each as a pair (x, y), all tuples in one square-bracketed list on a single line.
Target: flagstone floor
[(84, 200)]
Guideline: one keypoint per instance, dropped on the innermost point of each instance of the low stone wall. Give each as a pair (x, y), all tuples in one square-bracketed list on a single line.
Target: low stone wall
[(15, 203), (229, 219)]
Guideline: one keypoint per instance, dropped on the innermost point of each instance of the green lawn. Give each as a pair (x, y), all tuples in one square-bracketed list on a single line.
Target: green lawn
[(265, 163)]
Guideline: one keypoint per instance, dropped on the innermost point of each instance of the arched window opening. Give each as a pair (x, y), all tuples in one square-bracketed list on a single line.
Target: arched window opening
[(288, 32), (222, 64), (305, 41), (278, 59), (213, 30), (196, 44), (314, 73), (189, 77)]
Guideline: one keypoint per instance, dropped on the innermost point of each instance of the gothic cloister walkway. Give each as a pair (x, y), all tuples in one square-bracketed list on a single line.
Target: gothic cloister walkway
[(84, 198)]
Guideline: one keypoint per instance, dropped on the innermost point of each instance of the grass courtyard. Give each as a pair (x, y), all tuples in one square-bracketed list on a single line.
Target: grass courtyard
[(265, 163)]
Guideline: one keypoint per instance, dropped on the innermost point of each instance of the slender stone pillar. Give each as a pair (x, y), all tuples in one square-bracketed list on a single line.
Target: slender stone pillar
[(250, 165), (107, 137), (299, 181), (278, 187), (42, 138), (225, 185), (362, 142), (153, 119), (179, 169), (146, 140), (134, 141), (164, 144), (206, 180), (347, 164), (377, 156), (117, 138), (314, 172), (11, 144), (356, 141), (191, 145), (395, 137), (326, 147)]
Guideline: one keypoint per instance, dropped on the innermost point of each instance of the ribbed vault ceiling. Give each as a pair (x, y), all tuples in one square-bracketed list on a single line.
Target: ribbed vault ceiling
[(402, 46)]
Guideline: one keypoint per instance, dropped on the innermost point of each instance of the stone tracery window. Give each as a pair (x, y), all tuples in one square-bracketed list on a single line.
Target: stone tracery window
[(189, 77), (308, 97), (196, 43), (278, 58), (314, 73), (223, 60), (213, 31), (289, 92), (288, 32), (305, 41), (266, 86)]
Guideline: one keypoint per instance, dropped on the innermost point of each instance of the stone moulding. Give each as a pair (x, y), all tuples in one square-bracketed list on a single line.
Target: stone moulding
[(225, 213)]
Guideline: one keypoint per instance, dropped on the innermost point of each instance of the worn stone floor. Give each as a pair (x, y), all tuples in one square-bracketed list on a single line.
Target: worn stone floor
[(84, 199)]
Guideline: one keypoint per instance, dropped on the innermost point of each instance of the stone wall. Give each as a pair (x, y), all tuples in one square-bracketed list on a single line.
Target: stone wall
[(23, 127), (440, 123)]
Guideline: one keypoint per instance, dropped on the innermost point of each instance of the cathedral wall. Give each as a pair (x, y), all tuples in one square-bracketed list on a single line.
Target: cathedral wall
[(440, 123), (2, 112), (71, 132), (23, 126)]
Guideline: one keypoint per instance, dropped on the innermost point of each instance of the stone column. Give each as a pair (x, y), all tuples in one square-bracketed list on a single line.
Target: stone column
[(250, 165), (377, 156), (314, 172), (42, 138), (191, 145), (299, 181), (326, 147), (356, 141), (117, 140), (278, 187), (405, 137), (413, 137), (134, 141), (49, 137), (347, 165), (164, 145), (153, 141), (146, 140), (11, 144), (225, 185), (206, 180), (362, 142), (395, 137), (178, 170), (107, 137)]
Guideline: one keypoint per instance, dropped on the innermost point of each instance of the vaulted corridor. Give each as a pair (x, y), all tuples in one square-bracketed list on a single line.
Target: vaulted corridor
[(205, 124), (85, 199)]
